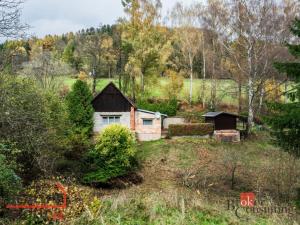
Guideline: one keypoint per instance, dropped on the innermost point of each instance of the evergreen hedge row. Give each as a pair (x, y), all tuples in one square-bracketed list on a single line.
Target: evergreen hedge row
[(195, 129)]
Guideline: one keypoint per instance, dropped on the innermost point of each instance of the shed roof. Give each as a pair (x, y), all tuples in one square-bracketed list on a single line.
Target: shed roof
[(215, 114), (150, 112)]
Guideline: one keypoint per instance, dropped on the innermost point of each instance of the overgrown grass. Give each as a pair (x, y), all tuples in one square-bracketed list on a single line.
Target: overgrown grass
[(152, 209), (163, 197)]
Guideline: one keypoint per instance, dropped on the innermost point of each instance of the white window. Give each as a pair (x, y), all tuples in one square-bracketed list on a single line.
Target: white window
[(110, 119), (147, 122)]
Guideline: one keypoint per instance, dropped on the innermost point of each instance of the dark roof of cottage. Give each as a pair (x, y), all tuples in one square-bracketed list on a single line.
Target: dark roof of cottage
[(112, 84), (215, 114)]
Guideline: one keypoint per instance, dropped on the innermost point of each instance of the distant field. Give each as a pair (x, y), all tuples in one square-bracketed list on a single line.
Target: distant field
[(226, 89)]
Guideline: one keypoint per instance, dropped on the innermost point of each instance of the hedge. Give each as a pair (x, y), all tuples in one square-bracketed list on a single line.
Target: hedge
[(168, 107), (195, 129)]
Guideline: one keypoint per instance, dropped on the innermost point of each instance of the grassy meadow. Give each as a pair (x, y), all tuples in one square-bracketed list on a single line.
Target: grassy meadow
[(226, 89)]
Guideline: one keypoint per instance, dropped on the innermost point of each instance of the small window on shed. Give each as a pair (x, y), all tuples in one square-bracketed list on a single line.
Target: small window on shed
[(147, 122)]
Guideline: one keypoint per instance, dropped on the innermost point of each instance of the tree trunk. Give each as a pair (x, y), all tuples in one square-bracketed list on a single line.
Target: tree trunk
[(94, 81), (250, 89), (191, 79), (133, 89), (204, 77), (213, 89), (240, 96), (250, 105), (261, 98), (213, 81)]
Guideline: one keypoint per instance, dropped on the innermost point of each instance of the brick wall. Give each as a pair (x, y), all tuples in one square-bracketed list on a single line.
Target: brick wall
[(147, 132)]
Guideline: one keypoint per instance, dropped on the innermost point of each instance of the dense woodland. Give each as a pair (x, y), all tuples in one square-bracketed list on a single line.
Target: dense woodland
[(46, 125)]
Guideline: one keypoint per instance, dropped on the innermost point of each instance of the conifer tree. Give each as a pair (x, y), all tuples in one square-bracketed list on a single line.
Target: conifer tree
[(285, 118), (80, 108)]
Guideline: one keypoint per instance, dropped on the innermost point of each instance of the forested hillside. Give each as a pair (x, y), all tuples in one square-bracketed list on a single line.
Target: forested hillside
[(208, 41), (65, 159)]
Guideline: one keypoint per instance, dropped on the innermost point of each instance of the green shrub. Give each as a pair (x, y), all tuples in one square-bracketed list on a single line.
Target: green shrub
[(166, 107), (190, 129), (10, 183), (113, 155), (35, 122)]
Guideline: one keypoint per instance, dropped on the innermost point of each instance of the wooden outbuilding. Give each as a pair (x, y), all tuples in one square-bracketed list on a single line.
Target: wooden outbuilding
[(222, 120)]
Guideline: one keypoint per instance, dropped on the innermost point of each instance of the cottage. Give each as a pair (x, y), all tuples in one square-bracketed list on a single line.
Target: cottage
[(112, 106)]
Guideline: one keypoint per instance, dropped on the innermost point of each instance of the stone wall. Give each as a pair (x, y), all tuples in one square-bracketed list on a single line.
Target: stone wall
[(227, 135)]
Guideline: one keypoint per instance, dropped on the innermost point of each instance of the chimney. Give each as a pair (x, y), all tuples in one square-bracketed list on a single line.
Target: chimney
[(132, 118)]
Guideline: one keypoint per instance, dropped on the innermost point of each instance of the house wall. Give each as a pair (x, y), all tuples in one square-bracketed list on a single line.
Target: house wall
[(98, 121), (147, 132)]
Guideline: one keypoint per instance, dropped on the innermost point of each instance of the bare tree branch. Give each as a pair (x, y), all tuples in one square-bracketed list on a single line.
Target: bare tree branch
[(10, 24)]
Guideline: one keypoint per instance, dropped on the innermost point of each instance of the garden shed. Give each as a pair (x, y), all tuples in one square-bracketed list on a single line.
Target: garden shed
[(222, 120)]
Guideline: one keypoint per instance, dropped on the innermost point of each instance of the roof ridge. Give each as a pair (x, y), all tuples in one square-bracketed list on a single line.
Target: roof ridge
[(113, 84)]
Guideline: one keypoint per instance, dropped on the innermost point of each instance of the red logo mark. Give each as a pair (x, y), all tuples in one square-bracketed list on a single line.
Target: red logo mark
[(247, 199), (56, 216)]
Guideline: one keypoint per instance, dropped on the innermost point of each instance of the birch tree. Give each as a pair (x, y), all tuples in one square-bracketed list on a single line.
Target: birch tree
[(210, 18), (253, 26), (255, 22), (189, 38), (148, 44)]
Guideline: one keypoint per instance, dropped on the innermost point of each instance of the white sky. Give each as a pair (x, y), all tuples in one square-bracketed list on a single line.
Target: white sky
[(61, 16)]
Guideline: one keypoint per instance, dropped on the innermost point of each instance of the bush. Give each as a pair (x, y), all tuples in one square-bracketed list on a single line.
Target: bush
[(10, 183), (190, 129), (175, 84), (166, 107), (113, 155), (35, 121)]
